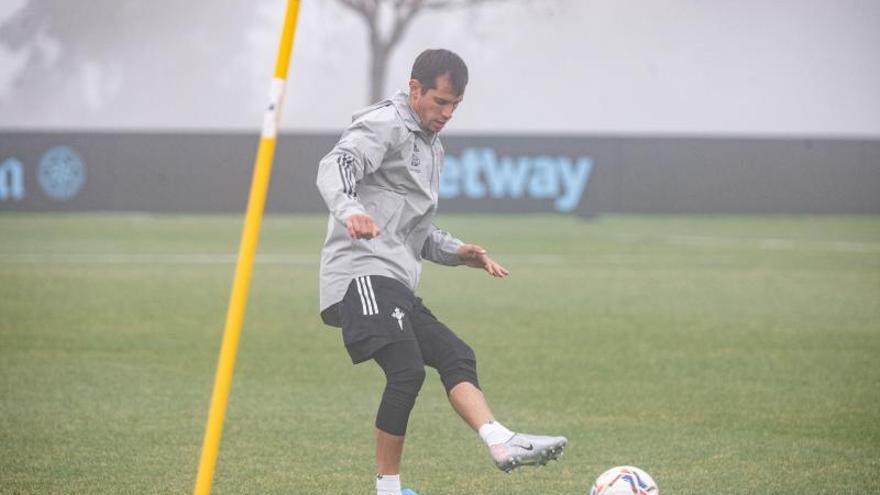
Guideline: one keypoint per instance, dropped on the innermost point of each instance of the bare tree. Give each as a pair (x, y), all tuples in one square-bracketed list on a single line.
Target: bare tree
[(387, 22)]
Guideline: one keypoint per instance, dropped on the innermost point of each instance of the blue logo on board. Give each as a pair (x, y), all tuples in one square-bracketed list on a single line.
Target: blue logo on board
[(11, 180), (61, 173), (480, 173)]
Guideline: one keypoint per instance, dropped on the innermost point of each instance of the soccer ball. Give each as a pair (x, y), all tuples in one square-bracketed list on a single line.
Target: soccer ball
[(624, 480)]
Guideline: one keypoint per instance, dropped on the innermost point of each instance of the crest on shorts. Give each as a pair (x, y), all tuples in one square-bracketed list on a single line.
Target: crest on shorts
[(398, 315)]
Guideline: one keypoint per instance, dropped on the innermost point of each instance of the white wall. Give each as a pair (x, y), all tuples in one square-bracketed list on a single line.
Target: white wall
[(717, 67)]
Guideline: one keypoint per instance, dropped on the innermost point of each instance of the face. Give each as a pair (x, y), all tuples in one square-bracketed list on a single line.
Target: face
[(435, 106)]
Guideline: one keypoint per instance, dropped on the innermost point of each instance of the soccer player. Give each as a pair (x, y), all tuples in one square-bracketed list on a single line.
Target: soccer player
[(381, 183)]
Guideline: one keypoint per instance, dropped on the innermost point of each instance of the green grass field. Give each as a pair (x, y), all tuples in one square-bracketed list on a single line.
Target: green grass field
[(724, 355)]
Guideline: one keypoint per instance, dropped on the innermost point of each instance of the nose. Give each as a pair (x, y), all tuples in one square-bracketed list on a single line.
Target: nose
[(446, 111)]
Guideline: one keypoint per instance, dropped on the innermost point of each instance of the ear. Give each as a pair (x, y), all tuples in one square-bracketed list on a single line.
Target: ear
[(415, 87)]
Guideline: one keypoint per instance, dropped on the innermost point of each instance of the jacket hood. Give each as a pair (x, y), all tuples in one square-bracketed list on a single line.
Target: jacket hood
[(400, 101)]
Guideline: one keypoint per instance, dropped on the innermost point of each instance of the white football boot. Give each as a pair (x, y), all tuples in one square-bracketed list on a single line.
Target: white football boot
[(526, 450)]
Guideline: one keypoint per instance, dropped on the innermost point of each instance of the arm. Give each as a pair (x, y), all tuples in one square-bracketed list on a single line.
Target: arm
[(441, 247), (358, 153)]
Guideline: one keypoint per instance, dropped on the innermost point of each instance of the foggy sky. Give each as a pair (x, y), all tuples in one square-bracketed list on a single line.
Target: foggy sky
[(788, 67)]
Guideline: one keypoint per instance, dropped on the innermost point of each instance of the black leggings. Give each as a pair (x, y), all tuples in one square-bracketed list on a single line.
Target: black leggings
[(404, 366)]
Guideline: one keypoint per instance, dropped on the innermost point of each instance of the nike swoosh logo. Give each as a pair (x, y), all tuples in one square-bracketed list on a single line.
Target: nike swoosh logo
[(526, 447)]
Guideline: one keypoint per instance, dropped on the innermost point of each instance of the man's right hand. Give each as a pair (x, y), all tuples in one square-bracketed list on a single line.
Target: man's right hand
[(361, 226)]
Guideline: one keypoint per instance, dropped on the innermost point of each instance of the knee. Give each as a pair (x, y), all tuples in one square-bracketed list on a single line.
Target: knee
[(407, 380), (459, 366), (399, 398)]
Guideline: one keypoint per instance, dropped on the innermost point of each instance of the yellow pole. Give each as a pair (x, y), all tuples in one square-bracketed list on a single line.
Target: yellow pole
[(243, 268)]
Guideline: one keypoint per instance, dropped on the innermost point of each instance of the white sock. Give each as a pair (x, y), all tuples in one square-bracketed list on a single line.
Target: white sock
[(494, 433), (387, 484)]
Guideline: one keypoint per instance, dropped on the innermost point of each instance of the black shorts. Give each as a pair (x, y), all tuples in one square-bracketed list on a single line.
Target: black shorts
[(377, 311)]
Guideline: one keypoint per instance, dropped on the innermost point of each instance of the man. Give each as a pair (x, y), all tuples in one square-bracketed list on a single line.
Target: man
[(381, 183)]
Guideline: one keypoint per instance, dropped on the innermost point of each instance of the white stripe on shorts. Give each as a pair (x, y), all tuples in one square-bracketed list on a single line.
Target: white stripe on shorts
[(361, 293), (372, 296)]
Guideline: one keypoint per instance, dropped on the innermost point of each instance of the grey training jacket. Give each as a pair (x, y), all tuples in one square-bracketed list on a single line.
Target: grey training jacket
[(387, 166)]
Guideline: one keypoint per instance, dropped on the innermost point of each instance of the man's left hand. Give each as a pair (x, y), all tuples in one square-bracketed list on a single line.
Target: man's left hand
[(477, 257)]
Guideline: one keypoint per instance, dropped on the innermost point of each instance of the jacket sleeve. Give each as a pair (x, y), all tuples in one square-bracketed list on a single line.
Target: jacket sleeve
[(359, 152), (441, 247)]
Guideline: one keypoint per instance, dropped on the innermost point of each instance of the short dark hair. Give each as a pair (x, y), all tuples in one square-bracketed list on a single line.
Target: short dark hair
[(433, 63)]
